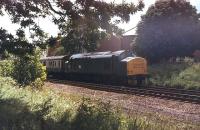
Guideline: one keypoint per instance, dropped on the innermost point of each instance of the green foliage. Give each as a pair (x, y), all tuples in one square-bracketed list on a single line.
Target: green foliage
[(85, 17), (30, 109), (78, 41), (27, 109), (22, 109), (29, 70), (170, 28), (5, 40), (188, 78), (60, 51), (51, 42), (18, 45), (89, 115), (6, 68), (181, 75)]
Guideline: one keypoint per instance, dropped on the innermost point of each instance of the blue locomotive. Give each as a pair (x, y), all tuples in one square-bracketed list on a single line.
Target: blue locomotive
[(120, 67)]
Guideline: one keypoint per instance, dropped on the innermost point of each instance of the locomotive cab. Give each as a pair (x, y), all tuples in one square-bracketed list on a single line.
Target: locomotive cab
[(136, 70)]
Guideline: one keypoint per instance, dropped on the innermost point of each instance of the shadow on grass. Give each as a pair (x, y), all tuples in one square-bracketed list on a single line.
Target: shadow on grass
[(15, 115)]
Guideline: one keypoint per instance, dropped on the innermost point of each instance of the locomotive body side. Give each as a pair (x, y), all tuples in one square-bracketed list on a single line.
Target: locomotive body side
[(99, 66), (99, 63)]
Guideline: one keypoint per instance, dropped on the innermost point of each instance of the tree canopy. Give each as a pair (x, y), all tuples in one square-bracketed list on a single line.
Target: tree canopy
[(81, 22), (169, 28), (16, 45)]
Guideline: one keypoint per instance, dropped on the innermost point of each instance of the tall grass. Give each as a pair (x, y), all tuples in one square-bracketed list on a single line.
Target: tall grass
[(28, 109)]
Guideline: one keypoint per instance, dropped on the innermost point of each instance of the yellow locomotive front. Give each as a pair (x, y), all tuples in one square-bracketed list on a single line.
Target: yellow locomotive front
[(136, 70)]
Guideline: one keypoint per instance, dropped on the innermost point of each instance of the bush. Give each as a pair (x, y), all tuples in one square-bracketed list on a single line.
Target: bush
[(91, 116), (29, 70), (181, 75), (6, 68), (188, 78)]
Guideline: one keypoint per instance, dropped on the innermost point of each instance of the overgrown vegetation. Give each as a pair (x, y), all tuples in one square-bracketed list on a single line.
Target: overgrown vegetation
[(28, 109), (26, 70), (6, 68), (81, 22), (29, 70), (181, 75)]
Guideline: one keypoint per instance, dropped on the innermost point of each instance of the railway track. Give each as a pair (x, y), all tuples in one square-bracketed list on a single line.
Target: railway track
[(161, 92)]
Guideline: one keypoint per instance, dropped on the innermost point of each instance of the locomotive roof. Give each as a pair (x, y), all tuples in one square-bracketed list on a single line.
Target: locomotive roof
[(106, 54), (127, 59), (53, 57)]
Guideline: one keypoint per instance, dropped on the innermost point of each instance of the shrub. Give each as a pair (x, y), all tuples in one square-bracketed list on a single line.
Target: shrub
[(29, 70), (188, 78), (184, 75), (92, 116), (6, 68)]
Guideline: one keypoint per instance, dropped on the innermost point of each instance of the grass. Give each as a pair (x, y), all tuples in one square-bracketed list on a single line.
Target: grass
[(180, 75), (28, 109)]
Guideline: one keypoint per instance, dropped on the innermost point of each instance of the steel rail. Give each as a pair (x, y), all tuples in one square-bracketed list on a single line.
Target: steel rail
[(177, 89), (168, 93)]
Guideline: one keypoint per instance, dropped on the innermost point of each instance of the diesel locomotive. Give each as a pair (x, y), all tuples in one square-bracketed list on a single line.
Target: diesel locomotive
[(119, 67)]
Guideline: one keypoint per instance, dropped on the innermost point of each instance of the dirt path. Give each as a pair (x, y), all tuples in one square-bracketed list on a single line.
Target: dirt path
[(177, 110)]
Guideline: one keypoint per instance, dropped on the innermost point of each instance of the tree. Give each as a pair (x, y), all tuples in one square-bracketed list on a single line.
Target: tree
[(82, 17), (169, 29), (81, 22), (5, 40), (17, 45), (27, 66)]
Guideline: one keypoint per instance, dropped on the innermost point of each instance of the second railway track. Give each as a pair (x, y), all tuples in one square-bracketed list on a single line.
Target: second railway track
[(161, 92)]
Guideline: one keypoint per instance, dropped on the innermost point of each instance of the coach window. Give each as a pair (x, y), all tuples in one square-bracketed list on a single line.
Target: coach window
[(59, 64)]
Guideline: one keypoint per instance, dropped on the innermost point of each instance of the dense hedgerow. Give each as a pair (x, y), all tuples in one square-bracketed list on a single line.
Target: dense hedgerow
[(181, 75)]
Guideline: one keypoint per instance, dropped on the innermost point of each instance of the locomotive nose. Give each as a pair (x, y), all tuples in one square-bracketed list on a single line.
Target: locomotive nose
[(137, 66), (136, 70)]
